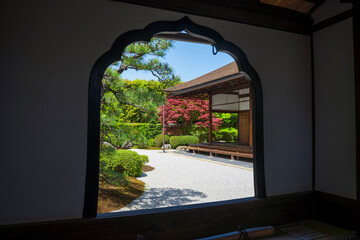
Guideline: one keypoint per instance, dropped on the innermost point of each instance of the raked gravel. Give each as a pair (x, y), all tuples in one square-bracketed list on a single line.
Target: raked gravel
[(182, 179)]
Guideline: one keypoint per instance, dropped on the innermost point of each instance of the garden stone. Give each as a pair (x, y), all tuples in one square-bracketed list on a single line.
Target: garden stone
[(109, 144), (167, 146), (127, 145)]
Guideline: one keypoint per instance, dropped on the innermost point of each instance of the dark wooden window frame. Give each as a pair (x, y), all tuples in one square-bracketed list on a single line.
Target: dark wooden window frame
[(145, 35)]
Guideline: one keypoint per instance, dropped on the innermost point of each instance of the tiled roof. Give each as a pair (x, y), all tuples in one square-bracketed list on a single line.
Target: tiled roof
[(227, 70)]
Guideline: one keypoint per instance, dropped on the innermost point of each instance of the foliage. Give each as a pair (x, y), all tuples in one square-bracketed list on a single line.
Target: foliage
[(229, 120), (107, 150), (153, 128), (106, 173), (124, 101), (176, 141), (152, 143), (226, 134), (145, 56), (137, 133), (201, 133), (159, 140), (183, 114), (144, 143), (127, 162), (144, 158)]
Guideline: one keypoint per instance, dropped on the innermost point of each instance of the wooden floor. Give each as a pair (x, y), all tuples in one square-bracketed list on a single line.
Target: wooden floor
[(230, 149)]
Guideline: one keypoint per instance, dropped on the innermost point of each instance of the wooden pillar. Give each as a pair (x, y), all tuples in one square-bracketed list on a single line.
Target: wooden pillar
[(251, 118), (210, 118)]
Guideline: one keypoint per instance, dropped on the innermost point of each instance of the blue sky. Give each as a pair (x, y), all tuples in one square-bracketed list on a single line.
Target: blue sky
[(189, 60)]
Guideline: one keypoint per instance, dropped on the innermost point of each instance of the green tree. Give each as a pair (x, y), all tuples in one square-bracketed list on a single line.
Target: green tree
[(145, 57), (229, 120), (134, 101)]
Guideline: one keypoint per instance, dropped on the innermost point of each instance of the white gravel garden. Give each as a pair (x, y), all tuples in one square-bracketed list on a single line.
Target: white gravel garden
[(184, 178)]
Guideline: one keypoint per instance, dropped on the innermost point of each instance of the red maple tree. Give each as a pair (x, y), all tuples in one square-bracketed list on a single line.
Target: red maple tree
[(184, 116)]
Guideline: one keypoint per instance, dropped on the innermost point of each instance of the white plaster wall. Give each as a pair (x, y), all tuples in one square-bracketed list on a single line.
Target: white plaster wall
[(335, 110), (47, 51)]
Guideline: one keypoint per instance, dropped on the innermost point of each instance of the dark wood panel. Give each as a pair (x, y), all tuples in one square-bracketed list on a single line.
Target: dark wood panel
[(356, 35), (313, 117), (333, 20), (316, 2), (317, 5), (244, 127), (175, 223), (336, 210), (249, 12), (251, 120), (297, 5)]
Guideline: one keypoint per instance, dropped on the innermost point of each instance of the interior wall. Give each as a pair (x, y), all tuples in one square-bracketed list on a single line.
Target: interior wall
[(335, 108), (47, 51)]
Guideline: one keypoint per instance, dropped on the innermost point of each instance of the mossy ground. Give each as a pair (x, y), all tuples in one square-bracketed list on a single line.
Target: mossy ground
[(112, 197)]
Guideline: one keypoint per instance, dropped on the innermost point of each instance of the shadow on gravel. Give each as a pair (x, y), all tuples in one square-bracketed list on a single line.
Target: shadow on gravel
[(142, 175), (167, 197)]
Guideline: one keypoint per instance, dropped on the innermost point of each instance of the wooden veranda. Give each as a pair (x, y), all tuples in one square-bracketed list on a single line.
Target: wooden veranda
[(228, 91)]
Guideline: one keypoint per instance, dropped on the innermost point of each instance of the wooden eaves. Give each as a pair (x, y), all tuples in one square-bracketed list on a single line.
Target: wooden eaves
[(226, 79), (223, 85)]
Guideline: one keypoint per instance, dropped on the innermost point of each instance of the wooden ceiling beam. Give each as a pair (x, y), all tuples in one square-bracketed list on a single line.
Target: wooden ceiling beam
[(317, 3), (249, 12)]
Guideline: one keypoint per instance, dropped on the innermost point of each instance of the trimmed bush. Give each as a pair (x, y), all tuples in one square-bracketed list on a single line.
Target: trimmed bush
[(106, 173), (141, 143), (128, 162), (186, 140), (106, 149), (151, 142), (159, 140), (144, 158)]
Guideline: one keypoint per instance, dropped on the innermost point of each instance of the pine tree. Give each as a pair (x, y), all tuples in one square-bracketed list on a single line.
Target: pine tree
[(134, 101)]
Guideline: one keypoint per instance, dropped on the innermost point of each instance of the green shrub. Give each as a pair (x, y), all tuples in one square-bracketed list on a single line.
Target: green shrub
[(226, 134), (151, 142), (186, 140), (201, 133), (106, 149), (107, 153), (148, 130), (144, 158), (106, 173), (113, 177), (127, 162), (153, 129), (142, 142), (159, 140), (133, 132)]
